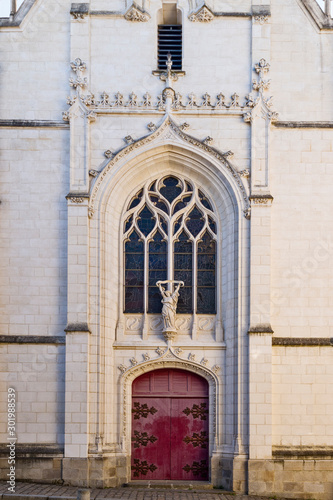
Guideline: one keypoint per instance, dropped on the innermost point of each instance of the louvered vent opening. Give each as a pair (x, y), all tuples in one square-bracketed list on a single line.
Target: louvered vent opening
[(170, 40)]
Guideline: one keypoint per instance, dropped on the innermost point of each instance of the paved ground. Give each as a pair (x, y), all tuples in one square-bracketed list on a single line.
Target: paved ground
[(34, 491)]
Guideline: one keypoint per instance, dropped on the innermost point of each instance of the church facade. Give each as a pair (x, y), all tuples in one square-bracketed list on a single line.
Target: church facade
[(167, 250)]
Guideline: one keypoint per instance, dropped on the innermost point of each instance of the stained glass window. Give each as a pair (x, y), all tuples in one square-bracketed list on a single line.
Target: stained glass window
[(171, 217), (206, 269), (183, 272), (157, 271), (134, 274)]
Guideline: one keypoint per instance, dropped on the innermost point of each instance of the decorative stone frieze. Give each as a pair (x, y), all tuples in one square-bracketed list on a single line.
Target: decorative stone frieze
[(170, 353), (136, 14), (134, 103), (202, 15)]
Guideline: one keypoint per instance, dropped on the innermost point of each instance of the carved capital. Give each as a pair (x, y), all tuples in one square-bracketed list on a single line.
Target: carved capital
[(79, 10), (260, 19), (264, 199)]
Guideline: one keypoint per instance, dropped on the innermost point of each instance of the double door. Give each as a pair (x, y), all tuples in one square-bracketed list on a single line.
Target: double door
[(170, 438)]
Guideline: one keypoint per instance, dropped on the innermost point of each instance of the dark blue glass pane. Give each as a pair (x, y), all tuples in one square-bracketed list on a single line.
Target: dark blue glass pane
[(157, 261), (136, 200), (134, 245), (181, 204), (134, 278), (178, 206), (159, 204), (146, 221), (184, 245), (195, 222), (206, 262), (188, 186), (128, 223), (134, 261), (152, 186), (154, 300), (157, 245), (184, 305), (171, 188), (206, 301), (163, 224), (182, 275), (205, 201), (134, 300), (183, 261), (177, 224), (158, 275), (212, 225), (207, 245), (206, 278)]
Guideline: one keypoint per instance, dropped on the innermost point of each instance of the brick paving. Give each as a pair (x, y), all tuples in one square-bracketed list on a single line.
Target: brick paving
[(32, 491)]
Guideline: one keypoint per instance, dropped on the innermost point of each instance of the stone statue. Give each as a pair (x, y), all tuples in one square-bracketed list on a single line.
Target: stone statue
[(169, 302)]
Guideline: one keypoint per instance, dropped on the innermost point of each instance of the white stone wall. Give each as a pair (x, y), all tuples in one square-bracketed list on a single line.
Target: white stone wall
[(36, 372), (34, 69), (301, 64), (302, 243), (302, 396), (34, 171)]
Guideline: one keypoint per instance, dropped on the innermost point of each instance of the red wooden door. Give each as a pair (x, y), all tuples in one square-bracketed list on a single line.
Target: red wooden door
[(170, 426)]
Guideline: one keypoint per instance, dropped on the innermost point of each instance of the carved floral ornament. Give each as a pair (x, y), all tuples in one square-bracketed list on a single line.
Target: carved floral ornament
[(135, 14), (260, 85), (168, 353), (202, 15)]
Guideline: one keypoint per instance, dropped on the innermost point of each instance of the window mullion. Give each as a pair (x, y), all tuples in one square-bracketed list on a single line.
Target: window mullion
[(145, 290), (194, 288), (170, 257)]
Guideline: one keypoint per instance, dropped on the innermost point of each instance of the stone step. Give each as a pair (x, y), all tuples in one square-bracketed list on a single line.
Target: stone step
[(179, 485)]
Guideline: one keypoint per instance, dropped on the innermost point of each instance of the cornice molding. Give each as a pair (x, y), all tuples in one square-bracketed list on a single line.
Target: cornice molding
[(303, 452), (260, 330), (16, 123), (302, 341), (27, 450), (32, 339), (77, 328), (302, 124)]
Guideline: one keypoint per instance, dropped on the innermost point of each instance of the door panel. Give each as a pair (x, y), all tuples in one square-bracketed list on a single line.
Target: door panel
[(189, 439), (151, 438), (170, 426)]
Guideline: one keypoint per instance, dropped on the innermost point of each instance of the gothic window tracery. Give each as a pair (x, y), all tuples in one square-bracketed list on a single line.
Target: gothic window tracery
[(170, 233)]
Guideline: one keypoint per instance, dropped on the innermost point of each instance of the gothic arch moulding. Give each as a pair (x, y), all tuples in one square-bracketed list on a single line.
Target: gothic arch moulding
[(169, 137)]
